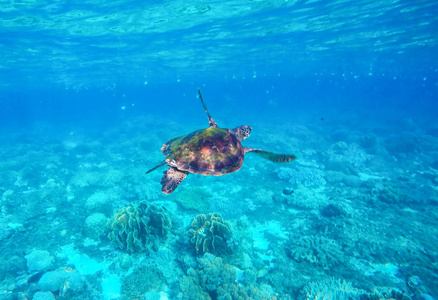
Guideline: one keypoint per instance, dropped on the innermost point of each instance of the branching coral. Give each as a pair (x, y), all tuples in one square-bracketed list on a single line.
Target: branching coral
[(318, 250), (139, 227), (210, 233), (332, 288)]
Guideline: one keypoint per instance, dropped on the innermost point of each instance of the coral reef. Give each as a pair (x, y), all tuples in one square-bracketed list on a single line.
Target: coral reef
[(352, 181), (307, 198), (334, 176), (304, 176), (123, 261), (348, 153), (139, 227), (330, 289), (317, 250), (228, 207), (85, 178), (142, 279), (331, 211), (190, 287), (233, 291), (43, 296), (95, 225), (338, 289), (391, 194), (214, 279), (210, 233), (65, 281), (99, 202), (194, 198), (213, 272), (381, 293), (38, 260)]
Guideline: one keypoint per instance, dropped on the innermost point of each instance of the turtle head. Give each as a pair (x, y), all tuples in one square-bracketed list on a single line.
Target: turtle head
[(242, 132)]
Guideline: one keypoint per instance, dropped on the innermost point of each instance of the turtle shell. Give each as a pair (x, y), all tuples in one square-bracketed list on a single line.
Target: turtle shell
[(210, 151)]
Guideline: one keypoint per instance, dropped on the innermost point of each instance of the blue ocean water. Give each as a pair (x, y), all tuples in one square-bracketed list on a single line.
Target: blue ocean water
[(89, 93)]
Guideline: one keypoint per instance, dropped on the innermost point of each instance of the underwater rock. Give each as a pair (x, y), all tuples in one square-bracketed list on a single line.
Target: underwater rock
[(139, 227), (43, 296), (95, 226), (317, 250), (38, 260), (210, 234)]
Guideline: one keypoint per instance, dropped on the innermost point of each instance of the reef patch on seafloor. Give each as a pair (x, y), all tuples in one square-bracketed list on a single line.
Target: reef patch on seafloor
[(354, 211)]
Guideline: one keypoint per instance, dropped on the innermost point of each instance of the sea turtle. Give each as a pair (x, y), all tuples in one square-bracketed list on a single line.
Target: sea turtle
[(211, 151)]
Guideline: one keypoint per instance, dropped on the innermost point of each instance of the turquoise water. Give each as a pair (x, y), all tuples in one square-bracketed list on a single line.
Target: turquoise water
[(91, 91)]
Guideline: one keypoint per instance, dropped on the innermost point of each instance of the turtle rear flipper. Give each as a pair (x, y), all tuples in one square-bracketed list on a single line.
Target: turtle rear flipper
[(171, 179), (275, 157), (211, 122), (157, 166)]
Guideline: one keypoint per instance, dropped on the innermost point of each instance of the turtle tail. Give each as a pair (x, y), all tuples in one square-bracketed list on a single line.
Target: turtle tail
[(157, 166), (275, 157)]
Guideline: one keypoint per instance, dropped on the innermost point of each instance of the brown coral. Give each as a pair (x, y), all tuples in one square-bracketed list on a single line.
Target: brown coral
[(210, 233), (139, 227)]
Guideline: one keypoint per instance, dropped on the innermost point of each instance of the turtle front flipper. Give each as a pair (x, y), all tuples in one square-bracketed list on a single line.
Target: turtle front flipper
[(157, 166), (275, 157), (211, 122), (171, 179)]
